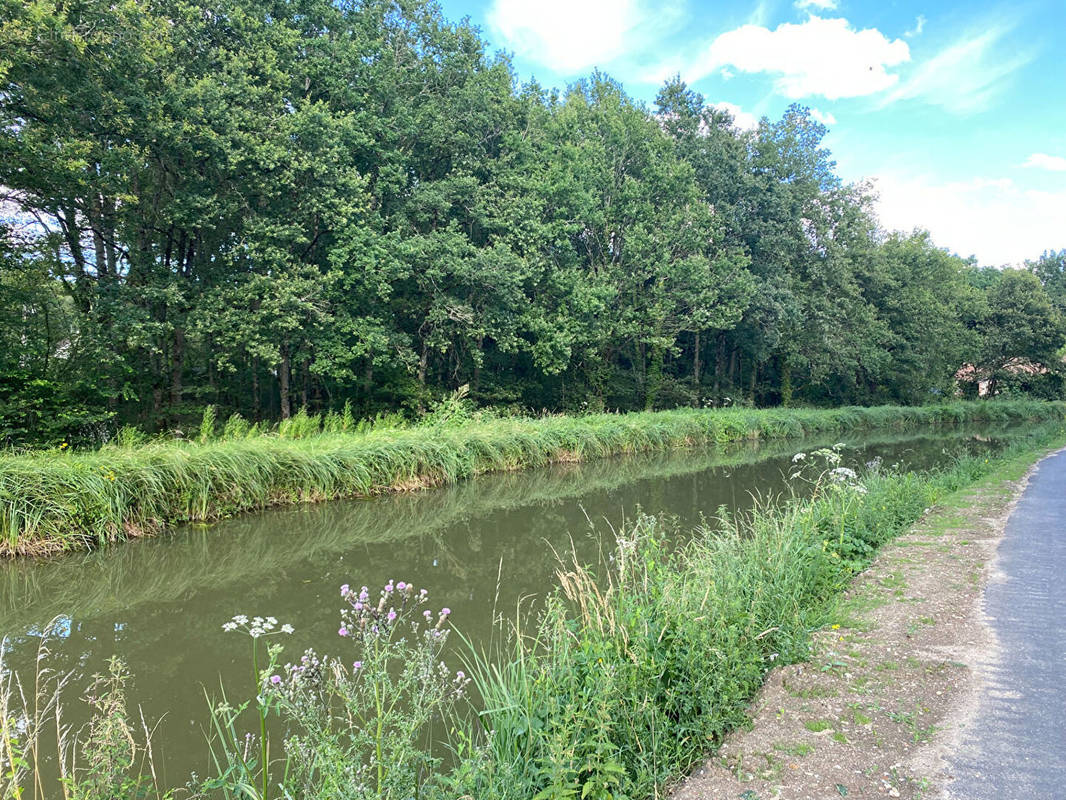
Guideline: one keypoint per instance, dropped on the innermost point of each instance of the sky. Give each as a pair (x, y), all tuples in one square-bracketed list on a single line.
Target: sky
[(956, 109)]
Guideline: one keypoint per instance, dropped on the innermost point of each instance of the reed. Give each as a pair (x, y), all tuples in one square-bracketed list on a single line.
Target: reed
[(59, 500)]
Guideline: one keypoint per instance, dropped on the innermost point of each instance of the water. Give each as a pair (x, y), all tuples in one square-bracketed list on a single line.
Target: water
[(479, 547)]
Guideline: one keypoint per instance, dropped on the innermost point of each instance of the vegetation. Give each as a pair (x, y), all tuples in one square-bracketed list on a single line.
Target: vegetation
[(57, 500), (627, 675), (267, 206), (109, 757), (631, 676)]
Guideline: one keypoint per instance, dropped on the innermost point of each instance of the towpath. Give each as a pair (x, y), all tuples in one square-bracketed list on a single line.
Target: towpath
[(1015, 745), (945, 675)]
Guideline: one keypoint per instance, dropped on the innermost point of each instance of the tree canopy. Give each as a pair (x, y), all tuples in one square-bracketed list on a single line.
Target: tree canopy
[(268, 205)]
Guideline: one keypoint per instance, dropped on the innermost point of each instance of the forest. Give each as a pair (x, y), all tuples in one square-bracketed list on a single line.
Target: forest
[(269, 206)]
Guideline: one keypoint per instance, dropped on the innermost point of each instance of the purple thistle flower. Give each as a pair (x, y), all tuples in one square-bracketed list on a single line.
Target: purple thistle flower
[(401, 586), (357, 665), (275, 679), (344, 590), (445, 612), (358, 606), (343, 631), (427, 614), (391, 615)]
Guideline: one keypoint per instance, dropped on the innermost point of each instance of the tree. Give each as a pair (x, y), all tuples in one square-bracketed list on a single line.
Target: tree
[(1021, 331)]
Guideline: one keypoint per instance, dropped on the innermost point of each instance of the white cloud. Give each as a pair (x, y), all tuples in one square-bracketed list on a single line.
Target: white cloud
[(742, 119), (919, 26), (1044, 161), (965, 76), (817, 57), (823, 117), (824, 5), (997, 220), (569, 36)]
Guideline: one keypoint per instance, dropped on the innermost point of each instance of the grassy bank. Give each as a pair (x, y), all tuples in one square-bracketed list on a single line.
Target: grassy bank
[(61, 500), (629, 679), (630, 674)]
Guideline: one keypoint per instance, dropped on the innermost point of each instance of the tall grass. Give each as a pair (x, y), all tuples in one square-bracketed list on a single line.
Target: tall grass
[(108, 757), (630, 677), (61, 500)]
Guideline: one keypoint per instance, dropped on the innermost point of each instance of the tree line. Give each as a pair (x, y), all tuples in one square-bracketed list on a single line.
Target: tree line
[(302, 203)]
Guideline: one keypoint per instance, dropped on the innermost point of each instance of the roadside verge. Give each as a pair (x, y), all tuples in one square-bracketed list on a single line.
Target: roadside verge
[(889, 683)]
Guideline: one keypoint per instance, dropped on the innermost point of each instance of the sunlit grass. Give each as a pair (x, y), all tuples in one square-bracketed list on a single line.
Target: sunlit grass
[(61, 500)]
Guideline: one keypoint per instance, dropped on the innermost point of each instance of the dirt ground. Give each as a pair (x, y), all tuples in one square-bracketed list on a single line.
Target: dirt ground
[(888, 688)]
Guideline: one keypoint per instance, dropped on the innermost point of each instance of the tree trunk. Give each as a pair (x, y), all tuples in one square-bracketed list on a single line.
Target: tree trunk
[(255, 389), (696, 369), (786, 383), (653, 377), (368, 384), (283, 383), (305, 375), (719, 365), (423, 361), (177, 361)]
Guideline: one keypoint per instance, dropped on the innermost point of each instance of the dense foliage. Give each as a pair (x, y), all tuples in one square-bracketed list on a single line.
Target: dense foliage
[(270, 205)]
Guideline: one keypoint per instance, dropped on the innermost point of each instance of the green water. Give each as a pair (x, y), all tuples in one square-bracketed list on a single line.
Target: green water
[(478, 547)]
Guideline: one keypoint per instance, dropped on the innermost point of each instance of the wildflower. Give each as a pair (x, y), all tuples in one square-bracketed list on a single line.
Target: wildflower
[(445, 612), (344, 590), (275, 679), (63, 446), (343, 631), (400, 586), (391, 616), (427, 614), (798, 457), (256, 627), (357, 665)]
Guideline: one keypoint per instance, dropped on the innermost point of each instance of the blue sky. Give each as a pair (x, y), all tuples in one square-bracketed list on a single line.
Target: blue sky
[(956, 108)]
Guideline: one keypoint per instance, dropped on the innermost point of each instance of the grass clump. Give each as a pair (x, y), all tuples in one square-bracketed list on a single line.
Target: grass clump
[(628, 680), (60, 500)]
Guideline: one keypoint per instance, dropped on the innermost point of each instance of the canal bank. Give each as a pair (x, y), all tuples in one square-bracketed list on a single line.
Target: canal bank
[(935, 671), (56, 501), (686, 639)]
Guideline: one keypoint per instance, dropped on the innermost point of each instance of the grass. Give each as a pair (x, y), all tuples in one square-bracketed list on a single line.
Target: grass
[(628, 679), (60, 500), (633, 671)]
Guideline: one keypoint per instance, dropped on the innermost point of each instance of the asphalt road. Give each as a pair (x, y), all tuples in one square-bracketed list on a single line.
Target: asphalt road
[(1016, 747)]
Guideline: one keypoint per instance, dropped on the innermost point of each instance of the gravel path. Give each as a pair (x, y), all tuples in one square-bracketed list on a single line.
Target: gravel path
[(1015, 745)]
